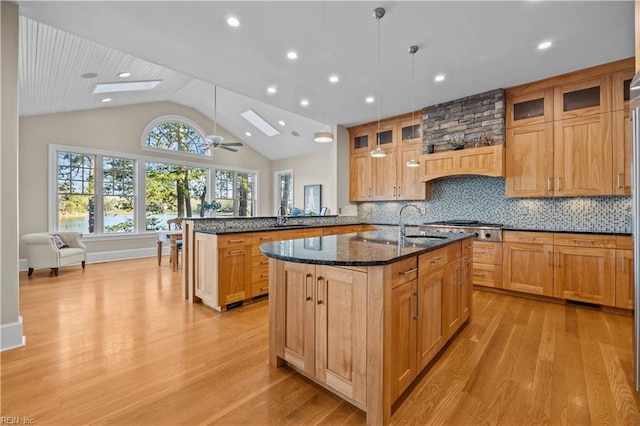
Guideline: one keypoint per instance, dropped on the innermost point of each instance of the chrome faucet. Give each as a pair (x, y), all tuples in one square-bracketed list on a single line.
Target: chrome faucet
[(401, 230), (280, 216)]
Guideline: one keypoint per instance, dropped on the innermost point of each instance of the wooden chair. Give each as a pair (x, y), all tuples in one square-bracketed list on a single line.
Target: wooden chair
[(177, 226)]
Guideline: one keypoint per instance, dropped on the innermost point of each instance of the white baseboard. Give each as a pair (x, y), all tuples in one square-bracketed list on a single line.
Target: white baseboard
[(11, 336), (112, 256)]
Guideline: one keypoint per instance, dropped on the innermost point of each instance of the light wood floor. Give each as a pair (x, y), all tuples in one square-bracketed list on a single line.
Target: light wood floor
[(117, 344)]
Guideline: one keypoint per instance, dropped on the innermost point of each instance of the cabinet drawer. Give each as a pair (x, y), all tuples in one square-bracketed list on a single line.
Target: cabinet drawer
[(487, 275), (527, 237), (234, 240), (260, 275), (260, 261), (294, 234), (438, 258), (584, 240), (487, 252), (258, 238), (258, 289), (344, 229), (624, 242), (404, 271)]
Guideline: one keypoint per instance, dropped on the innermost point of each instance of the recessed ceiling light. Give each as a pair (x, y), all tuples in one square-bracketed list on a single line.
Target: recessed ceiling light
[(124, 74), (126, 86), (107, 100), (272, 89), (260, 123), (233, 22), (292, 55), (89, 75), (439, 77), (544, 45), (247, 133), (304, 102), (370, 99), (282, 123), (334, 78)]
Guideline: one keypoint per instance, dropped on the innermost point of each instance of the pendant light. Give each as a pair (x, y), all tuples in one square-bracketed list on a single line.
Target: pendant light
[(412, 51), (378, 13), (322, 136)]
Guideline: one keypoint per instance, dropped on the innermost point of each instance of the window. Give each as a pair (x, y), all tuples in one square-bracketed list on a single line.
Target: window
[(177, 134), (173, 191), (107, 193), (235, 191), (284, 190)]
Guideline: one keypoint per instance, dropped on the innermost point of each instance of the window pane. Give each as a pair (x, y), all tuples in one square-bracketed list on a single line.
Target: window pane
[(173, 191), (245, 194), (76, 184), (176, 136), (286, 191), (118, 194)]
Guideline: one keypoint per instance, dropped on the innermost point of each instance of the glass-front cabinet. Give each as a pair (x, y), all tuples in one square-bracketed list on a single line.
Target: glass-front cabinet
[(587, 97), (532, 108)]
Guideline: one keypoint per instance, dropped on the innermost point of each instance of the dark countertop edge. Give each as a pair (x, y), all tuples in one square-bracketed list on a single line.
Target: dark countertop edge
[(273, 228), (423, 250), (258, 217)]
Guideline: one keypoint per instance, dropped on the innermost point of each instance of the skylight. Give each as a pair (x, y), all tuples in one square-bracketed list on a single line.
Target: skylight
[(127, 86), (252, 117)]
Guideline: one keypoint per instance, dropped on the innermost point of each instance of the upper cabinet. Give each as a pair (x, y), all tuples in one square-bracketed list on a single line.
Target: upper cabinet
[(570, 135), (387, 178), (532, 108), (584, 98)]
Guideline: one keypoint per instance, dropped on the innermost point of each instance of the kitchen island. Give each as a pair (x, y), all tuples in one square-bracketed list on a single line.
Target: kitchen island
[(362, 314)]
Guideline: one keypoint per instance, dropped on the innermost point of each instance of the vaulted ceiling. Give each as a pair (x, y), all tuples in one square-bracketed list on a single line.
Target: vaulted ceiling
[(477, 45)]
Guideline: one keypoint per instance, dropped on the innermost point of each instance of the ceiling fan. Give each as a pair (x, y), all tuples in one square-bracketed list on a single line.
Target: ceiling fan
[(215, 141)]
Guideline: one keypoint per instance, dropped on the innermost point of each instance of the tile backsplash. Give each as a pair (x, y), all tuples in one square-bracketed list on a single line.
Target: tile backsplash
[(483, 198)]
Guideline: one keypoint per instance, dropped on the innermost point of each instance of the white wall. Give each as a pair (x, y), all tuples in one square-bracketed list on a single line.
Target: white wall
[(114, 129), (10, 320)]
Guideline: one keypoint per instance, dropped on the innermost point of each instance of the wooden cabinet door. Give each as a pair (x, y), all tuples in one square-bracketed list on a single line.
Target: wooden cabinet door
[(587, 97), (583, 156), (403, 337), (528, 268), (429, 324), (234, 275), (532, 108), (360, 173), (384, 176), (341, 331), (624, 279), (622, 146), (466, 284), (451, 299), (296, 295), (361, 139), (585, 274), (408, 182), (206, 274), (529, 161)]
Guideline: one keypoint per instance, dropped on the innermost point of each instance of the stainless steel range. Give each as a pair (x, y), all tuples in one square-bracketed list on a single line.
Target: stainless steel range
[(482, 231)]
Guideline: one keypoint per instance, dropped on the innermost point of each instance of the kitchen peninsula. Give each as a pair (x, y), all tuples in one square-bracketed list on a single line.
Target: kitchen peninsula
[(362, 314)]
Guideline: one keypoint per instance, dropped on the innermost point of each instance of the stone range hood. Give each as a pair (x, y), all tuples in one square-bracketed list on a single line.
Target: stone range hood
[(470, 118)]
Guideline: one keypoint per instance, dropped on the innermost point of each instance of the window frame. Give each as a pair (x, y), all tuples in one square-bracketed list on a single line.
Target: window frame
[(172, 118), (276, 188), (235, 171), (139, 193)]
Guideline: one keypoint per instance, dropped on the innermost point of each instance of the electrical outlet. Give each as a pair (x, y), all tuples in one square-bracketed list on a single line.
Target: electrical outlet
[(524, 210), (423, 210)]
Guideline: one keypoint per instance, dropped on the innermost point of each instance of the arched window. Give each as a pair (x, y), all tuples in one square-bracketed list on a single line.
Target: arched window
[(174, 133)]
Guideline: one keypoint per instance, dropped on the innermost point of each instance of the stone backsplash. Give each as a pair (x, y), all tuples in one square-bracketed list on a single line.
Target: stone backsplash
[(247, 224), (483, 198), (470, 119)]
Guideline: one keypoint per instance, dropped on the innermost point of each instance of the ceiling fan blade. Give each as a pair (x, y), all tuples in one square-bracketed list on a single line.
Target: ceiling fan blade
[(228, 149), (232, 144)]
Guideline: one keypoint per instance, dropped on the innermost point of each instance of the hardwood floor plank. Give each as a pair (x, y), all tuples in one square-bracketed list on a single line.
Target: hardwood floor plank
[(117, 344)]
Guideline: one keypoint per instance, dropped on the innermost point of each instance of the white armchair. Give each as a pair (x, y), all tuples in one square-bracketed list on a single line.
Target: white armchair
[(42, 251)]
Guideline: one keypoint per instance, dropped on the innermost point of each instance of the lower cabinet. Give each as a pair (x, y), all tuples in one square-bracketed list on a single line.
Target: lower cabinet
[(325, 324), (487, 264), (585, 268), (528, 262), (427, 311), (624, 279)]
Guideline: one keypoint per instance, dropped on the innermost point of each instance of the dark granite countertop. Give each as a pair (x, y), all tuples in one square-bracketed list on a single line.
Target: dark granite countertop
[(369, 248), (267, 228)]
